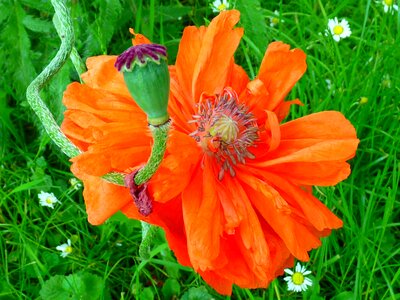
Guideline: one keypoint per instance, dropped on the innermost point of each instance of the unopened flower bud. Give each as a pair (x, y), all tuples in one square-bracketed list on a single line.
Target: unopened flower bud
[(146, 75)]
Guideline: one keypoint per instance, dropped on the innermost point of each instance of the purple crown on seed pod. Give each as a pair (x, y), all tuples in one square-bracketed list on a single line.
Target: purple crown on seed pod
[(140, 54)]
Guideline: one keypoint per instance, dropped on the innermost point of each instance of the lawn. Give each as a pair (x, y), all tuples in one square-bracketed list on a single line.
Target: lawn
[(50, 251)]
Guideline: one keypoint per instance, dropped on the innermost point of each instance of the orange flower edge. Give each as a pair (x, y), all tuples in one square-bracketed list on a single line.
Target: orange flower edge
[(233, 191)]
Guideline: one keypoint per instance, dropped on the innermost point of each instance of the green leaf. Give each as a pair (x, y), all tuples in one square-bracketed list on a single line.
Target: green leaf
[(4, 12), (344, 296), (16, 62), (36, 24), (253, 22), (110, 11), (76, 286), (171, 288), (199, 293), (40, 5), (173, 12), (147, 294)]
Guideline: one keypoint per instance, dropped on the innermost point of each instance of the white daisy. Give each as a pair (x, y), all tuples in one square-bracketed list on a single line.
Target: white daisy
[(219, 5), (47, 199), (66, 249), (338, 30), (274, 20), (389, 6), (297, 282)]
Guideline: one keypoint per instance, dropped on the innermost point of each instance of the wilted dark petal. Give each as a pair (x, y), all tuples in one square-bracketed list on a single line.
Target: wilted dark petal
[(139, 194)]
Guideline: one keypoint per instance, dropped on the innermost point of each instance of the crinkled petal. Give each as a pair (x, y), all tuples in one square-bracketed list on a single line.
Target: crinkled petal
[(103, 199), (102, 74), (177, 167), (203, 218), (313, 150), (207, 55), (280, 216), (280, 69)]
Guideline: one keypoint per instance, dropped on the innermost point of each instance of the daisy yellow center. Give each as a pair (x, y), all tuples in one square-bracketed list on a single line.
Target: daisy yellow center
[(275, 20), (388, 2), (338, 29), (68, 249), (221, 7), (49, 201), (225, 130), (298, 278)]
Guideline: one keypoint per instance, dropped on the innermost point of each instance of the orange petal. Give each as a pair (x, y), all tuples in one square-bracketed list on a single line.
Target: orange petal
[(280, 69), (203, 219), (316, 138), (242, 221), (102, 74), (103, 104), (314, 211), (138, 38), (308, 173), (119, 147), (180, 106), (188, 53), (168, 216), (313, 150), (103, 199), (176, 168), (238, 79), (216, 54), (275, 210)]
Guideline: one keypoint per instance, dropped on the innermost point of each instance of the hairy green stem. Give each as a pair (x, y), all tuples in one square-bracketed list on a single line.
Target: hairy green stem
[(33, 91), (160, 137), (63, 23), (61, 26), (148, 234)]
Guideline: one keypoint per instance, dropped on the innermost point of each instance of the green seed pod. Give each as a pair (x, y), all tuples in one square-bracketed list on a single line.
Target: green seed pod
[(146, 75)]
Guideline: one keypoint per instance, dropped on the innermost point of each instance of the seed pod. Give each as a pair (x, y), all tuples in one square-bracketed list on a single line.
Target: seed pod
[(146, 75)]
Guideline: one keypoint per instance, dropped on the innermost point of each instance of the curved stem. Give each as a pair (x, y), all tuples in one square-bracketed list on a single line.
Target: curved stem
[(33, 90), (160, 137), (148, 233)]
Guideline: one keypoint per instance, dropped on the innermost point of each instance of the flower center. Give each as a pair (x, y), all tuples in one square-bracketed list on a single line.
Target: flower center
[(388, 2), (275, 20), (222, 7), (298, 278), (49, 201), (225, 129), (338, 29), (68, 249)]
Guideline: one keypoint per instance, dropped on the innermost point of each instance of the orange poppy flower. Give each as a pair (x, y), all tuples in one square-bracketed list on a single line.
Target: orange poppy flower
[(233, 191)]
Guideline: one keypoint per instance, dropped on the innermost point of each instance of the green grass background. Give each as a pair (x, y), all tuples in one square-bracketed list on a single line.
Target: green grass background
[(360, 261)]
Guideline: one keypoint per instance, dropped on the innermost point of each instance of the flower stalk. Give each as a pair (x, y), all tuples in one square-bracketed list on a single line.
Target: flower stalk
[(159, 128), (33, 91), (160, 137)]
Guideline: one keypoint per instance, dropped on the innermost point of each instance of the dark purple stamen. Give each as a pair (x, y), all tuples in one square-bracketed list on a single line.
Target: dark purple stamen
[(140, 52), (139, 194)]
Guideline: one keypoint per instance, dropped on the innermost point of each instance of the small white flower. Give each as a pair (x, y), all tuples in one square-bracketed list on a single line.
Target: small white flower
[(274, 20), (338, 30), (219, 5), (65, 249), (47, 199), (297, 282), (328, 83), (389, 6)]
